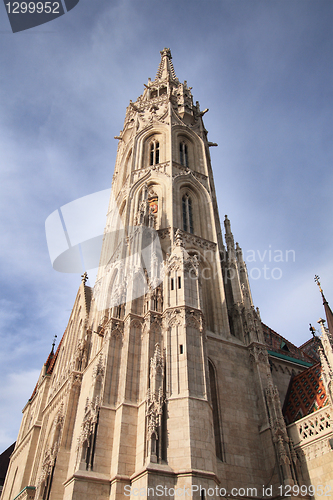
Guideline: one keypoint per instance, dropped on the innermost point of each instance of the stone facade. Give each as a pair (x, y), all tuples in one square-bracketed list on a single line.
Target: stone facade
[(162, 378)]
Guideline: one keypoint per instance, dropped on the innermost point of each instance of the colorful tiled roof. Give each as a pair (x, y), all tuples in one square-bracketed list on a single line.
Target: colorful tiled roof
[(50, 367), (49, 364), (306, 394)]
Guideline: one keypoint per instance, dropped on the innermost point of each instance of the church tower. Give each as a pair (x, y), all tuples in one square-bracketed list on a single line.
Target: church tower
[(161, 381)]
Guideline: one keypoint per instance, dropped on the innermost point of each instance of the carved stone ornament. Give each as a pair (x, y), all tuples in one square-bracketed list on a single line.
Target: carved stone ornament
[(59, 418), (186, 171), (276, 420), (191, 265), (89, 421), (173, 317), (194, 319), (283, 456), (245, 290), (258, 353), (117, 334), (152, 322), (99, 368), (179, 238), (163, 233), (51, 451), (197, 242), (284, 448), (75, 378), (80, 355), (315, 449), (174, 263), (154, 406), (47, 464)]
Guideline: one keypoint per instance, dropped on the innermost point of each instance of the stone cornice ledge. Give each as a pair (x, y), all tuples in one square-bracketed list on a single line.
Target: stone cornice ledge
[(87, 475), (230, 340), (120, 479), (199, 472), (153, 468), (166, 470)]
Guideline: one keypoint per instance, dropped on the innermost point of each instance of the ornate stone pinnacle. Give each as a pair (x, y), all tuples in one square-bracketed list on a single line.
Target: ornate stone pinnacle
[(166, 52), (179, 238)]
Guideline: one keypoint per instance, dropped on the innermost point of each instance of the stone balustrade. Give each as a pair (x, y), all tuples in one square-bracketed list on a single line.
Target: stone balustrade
[(316, 425)]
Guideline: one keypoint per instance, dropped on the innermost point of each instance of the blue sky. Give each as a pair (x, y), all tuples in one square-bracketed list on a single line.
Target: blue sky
[(264, 70)]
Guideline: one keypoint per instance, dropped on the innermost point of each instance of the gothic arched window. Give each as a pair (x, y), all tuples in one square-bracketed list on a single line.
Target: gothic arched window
[(183, 154), (154, 153), (187, 213)]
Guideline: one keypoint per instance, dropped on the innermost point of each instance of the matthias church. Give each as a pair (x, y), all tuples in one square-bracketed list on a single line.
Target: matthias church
[(165, 377)]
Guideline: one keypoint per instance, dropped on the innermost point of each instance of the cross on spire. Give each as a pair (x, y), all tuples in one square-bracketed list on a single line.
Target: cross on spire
[(317, 278), (84, 277)]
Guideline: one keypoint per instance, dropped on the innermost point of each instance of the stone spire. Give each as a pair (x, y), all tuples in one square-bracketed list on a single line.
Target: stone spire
[(243, 276), (326, 348), (328, 311), (232, 263), (166, 70)]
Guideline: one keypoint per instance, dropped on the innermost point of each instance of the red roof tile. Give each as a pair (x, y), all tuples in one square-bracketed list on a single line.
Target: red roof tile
[(306, 394)]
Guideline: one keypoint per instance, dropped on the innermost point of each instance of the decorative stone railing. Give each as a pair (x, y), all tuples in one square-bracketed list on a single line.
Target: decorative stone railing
[(160, 167), (313, 427)]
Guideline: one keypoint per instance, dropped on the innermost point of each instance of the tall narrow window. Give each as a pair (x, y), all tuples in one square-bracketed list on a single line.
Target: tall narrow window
[(157, 152), (152, 150), (187, 213), (183, 154), (190, 215), (216, 419), (154, 153), (48, 483)]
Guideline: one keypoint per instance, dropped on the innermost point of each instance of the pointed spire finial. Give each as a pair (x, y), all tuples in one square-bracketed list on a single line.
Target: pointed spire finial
[(317, 278), (165, 68), (84, 277), (227, 225), (312, 330), (328, 312), (166, 52), (53, 343)]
